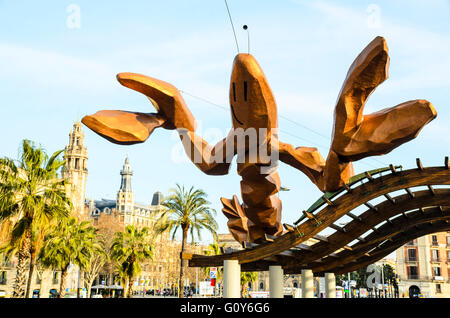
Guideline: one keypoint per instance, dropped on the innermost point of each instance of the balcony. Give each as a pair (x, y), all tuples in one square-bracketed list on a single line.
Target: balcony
[(435, 259), (411, 259), (434, 243), (412, 277)]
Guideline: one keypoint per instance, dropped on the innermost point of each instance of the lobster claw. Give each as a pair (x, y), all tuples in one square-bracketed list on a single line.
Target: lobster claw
[(165, 97), (122, 127)]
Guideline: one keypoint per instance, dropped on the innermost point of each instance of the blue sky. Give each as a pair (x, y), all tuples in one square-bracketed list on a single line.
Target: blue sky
[(53, 74)]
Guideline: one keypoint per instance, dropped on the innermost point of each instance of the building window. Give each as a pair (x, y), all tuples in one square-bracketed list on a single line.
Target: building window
[(436, 271), (438, 289), (448, 240), (412, 272), (434, 240), (412, 255), (412, 243), (3, 278), (55, 278), (77, 163), (435, 255)]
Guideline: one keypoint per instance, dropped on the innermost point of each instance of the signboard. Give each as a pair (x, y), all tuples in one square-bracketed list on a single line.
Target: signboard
[(339, 293), (206, 288), (363, 292), (353, 283), (213, 272), (259, 294), (322, 284)]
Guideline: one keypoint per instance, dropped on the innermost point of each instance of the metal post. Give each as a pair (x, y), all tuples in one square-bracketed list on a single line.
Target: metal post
[(276, 281), (348, 286), (231, 279)]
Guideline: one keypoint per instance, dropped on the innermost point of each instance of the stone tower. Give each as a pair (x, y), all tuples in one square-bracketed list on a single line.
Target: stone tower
[(75, 170), (125, 196)]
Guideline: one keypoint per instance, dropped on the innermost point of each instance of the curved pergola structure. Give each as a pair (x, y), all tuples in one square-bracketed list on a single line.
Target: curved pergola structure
[(422, 207)]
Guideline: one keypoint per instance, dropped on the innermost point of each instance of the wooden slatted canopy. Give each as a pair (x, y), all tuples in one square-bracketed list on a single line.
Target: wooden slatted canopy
[(286, 250)]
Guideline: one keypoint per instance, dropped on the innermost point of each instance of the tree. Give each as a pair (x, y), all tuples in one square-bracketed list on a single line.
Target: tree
[(214, 249), (96, 262), (130, 249), (247, 277), (188, 211), (70, 242), (107, 226), (31, 194)]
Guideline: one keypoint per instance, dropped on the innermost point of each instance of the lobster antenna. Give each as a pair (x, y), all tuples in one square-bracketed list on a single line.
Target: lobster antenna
[(245, 27), (232, 25)]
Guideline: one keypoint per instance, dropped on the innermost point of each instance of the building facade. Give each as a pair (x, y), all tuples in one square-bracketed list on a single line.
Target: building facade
[(423, 266), (163, 271)]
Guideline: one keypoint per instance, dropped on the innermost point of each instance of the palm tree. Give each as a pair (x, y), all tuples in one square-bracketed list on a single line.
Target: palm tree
[(247, 277), (130, 248), (31, 194), (189, 211), (214, 249), (70, 242)]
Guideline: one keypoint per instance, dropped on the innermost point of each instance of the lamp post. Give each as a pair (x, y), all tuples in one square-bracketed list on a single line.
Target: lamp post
[(382, 279)]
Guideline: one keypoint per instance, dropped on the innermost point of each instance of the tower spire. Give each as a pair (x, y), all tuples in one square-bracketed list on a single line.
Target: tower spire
[(75, 169), (125, 196)]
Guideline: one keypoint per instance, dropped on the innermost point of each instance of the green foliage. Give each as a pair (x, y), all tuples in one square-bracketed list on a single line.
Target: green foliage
[(69, 242), (188, 211), (214, 249), (32, 196), (31, 191), (130, 248)]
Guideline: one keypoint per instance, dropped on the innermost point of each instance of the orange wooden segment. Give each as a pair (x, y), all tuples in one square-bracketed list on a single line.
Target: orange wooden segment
[(123, 127)]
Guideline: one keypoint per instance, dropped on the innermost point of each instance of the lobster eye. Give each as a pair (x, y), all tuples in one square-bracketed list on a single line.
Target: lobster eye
[(234, 92), (245, 91)]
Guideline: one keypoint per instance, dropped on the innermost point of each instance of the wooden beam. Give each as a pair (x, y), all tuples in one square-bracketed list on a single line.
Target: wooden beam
[(320, 238), (354, 217), (368, 176), (409, 192), (327, 200), (304, 247), (419, 164), (370, 206), (347, 188), (387, 196), (431, 189), (337, 228), (393, 170), (343, 204), (186, 256)]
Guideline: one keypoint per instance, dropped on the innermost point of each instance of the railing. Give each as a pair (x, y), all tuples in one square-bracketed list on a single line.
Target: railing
[(434, 243), (409, 277), (411, 259)]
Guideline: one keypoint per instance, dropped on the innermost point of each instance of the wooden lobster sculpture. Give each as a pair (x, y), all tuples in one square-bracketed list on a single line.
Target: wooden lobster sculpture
[(253, 107)]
